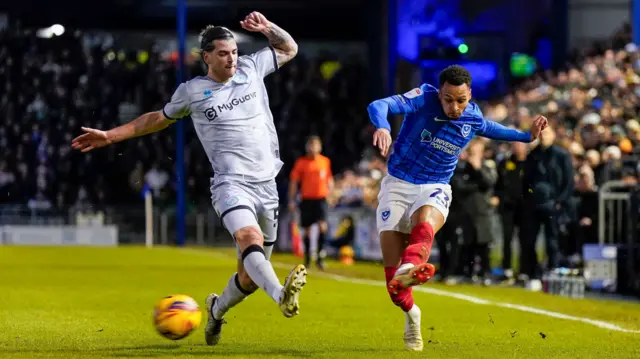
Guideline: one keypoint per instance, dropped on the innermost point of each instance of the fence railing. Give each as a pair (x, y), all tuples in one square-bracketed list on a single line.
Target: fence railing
[(614, 212)]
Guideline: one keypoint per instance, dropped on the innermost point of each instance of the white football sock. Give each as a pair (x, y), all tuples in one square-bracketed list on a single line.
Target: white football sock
[(230, 297), (261, 272), (413, 315), (268, 248)]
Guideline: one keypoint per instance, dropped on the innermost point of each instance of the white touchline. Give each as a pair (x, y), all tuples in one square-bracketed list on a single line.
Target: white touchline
[(446, 293), (476, 300)]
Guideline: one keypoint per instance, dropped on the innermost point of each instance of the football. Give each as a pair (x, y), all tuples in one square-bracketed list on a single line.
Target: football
[(176, 316)]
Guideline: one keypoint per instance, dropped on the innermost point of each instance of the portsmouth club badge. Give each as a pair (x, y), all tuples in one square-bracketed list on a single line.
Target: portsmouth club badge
[(385, 214)]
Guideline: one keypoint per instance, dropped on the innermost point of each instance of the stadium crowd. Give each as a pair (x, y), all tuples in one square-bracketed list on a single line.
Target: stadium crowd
[(51, 87), (592, 106)]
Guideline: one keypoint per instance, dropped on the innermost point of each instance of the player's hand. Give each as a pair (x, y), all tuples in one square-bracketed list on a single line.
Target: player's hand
[(92, 139), (292, 207), (255, 22), (382, 140), (539, 124)]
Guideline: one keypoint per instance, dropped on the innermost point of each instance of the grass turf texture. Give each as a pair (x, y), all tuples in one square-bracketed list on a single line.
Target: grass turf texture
[(97, 303)]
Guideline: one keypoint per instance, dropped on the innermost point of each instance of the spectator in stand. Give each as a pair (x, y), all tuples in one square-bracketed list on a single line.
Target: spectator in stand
[(548, 178), (475, 183), (509, 197)]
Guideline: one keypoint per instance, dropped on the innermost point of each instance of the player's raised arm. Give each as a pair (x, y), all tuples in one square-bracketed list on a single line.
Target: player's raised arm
[(496, 131), (285, 47), (145, 124), (379, 111)]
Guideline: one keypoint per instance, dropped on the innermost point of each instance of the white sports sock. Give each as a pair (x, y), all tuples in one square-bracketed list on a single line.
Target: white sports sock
[(413, 315), (268, 248), (230, 297), (262, 273)]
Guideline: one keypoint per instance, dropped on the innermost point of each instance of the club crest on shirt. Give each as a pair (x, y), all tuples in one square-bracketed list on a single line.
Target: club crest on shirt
[(240, 77), (232, 201), (385, 214), (466, 130), (425, 136)]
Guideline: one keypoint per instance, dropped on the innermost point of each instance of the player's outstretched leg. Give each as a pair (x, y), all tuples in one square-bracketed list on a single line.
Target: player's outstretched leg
[(404, 300), (218, 305), (260, 271), (414, 270)]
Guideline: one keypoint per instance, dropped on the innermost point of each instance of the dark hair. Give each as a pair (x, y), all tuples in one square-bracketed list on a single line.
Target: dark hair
[(313, 138), (455, 75), (212, 33)]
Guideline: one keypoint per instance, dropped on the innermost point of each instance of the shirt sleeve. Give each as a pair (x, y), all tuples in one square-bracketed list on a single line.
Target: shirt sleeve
[(264, 61), (178, 107), (408, 102), (295, 172), (496, 131)]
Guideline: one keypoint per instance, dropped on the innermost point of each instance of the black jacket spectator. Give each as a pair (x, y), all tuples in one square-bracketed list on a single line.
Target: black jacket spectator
[(474, 185), (509, 190), (548, 180)]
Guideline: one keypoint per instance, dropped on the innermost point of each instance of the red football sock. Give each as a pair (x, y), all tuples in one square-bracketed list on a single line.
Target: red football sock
[(420, 243), (422, 233), (389, 272), (404, 299)]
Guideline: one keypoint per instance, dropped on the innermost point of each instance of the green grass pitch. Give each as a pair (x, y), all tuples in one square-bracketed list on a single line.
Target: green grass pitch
[(97, 303)]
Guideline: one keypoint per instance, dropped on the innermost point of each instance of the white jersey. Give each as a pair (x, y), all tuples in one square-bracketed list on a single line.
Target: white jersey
[(233, 120)]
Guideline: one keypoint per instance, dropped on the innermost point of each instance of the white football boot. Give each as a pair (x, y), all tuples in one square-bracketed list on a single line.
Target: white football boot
[(412, 335)]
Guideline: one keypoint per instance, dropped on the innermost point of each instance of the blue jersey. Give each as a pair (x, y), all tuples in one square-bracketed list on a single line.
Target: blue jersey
[(429, 143)]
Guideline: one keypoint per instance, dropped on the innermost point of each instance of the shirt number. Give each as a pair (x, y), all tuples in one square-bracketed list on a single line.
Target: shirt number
[(441, 197)]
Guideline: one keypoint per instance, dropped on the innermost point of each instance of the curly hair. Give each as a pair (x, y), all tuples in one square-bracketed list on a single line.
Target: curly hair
[(455, 75)]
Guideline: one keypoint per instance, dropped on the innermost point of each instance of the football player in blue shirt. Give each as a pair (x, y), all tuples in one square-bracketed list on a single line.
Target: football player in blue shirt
[(414, 197)]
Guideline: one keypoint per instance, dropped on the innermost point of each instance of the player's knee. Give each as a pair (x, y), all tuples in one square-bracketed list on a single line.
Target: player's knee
[(246, 283), (323, 226), (249, 236)]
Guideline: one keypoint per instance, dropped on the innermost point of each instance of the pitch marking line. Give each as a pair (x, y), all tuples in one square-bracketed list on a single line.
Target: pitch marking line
[(460, 296)]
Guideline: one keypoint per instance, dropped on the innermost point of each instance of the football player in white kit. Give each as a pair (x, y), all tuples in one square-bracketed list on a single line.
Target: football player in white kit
[(230, 112)]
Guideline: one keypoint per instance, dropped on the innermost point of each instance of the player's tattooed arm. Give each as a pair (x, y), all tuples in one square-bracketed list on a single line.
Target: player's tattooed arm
[(285, 46), (145, 124)]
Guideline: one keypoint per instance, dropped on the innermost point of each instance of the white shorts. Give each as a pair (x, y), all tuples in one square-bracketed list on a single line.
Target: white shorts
[(241, 204), (399, 199)]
